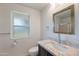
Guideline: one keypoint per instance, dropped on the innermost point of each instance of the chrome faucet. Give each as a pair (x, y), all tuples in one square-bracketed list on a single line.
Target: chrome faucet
[(59, 37)]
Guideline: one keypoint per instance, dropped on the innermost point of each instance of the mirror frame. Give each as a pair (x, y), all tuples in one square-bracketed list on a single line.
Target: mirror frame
[(71, 7)]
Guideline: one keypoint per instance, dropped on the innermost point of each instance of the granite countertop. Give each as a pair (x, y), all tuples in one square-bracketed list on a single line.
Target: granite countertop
[(54, 47)]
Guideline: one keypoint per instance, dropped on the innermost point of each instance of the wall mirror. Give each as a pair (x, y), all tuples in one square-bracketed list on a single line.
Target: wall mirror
[(64, 20)]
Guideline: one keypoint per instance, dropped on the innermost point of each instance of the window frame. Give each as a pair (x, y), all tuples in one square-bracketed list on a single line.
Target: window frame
[(12, 26)]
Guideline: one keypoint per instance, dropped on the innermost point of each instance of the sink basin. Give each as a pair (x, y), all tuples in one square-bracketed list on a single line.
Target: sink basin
[(59, 47)]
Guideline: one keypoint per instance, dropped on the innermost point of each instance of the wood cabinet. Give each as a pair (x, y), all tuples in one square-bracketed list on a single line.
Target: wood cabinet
[(43, 52)]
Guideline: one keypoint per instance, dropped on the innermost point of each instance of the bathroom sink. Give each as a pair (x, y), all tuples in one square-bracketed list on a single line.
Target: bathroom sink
[(58, 47), (61, 47)]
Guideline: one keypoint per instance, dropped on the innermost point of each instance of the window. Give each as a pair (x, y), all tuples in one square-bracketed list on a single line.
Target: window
[(20, 25)]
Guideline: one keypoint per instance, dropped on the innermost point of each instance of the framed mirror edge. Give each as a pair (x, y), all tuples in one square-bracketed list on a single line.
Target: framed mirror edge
[(71, 7)]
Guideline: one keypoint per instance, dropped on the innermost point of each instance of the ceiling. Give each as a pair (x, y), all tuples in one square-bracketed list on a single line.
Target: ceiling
[(38, 6)]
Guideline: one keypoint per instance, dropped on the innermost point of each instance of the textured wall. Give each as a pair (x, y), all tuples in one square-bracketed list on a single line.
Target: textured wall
[(47, 22), (23, 44)]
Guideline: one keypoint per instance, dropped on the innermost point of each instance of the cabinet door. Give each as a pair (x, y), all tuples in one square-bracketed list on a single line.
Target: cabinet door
[(42, 51)]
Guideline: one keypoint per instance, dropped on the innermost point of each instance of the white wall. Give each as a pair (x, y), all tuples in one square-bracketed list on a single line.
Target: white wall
[(22, 44), (47, 22)]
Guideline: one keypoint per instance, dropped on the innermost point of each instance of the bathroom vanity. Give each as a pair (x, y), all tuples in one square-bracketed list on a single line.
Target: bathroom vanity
[(53, 48), (43, 52)]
